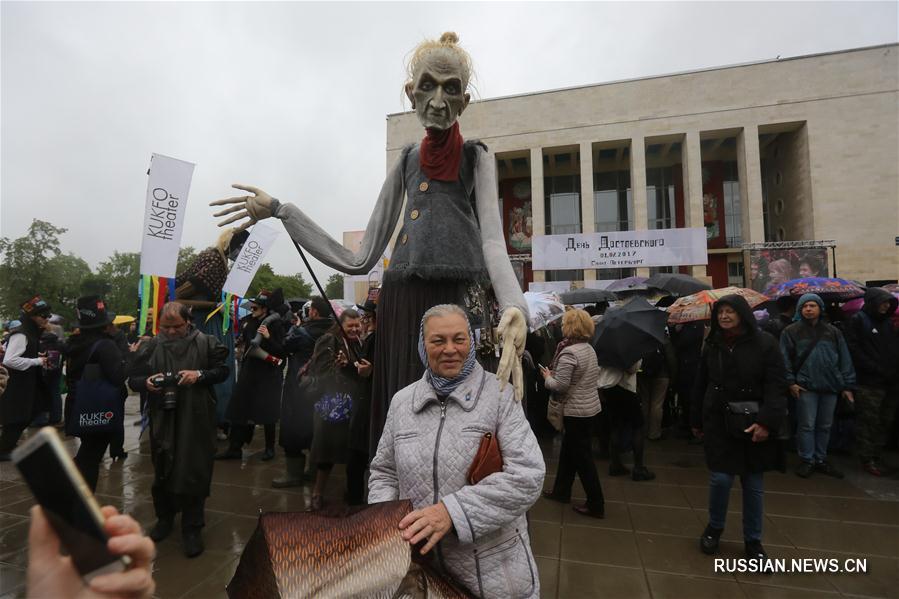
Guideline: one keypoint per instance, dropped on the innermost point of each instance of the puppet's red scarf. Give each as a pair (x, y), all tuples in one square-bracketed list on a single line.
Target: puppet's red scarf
[(441, 153)]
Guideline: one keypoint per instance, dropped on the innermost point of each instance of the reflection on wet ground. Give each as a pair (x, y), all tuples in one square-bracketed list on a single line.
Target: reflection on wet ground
[(645, 547)]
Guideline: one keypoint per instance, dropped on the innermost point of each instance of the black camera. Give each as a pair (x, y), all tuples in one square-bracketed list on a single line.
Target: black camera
[(168, 382)]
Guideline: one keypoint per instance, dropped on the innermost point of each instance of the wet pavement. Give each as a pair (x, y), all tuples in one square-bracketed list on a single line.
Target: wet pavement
[(647, 545)]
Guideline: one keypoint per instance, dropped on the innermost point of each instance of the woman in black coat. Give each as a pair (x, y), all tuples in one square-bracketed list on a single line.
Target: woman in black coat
[(257, 394), (739, 363)]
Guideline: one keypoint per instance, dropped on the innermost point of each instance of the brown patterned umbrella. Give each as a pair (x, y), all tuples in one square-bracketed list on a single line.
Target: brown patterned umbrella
[(356, 552)]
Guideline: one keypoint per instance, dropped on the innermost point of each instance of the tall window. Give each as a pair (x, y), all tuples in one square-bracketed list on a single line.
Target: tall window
[(660, 198), (563, 204), (733, 220), (612, 201)]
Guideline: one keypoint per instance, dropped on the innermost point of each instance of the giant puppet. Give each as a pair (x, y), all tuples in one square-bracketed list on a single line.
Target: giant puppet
[(451, 236)]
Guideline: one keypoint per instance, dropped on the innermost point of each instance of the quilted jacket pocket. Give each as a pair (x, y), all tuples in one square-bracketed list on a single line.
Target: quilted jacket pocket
[(505, 570)]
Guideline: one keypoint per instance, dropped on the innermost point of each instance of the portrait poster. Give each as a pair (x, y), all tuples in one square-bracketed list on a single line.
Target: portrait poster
[(771, 267)]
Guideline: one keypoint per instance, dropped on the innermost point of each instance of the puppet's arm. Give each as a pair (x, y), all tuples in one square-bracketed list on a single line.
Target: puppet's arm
[(513, 324), (313, 238)]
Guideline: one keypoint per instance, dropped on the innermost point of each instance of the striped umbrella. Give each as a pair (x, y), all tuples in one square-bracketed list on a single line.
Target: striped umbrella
[(699, 305)]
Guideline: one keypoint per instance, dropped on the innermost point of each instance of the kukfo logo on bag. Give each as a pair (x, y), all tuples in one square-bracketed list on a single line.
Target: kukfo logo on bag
[(96, 419)]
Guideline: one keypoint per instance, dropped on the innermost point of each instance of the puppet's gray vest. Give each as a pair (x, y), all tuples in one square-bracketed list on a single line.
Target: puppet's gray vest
[(440, 238)]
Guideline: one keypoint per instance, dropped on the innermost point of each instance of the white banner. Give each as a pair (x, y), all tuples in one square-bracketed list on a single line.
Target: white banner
[(164, 215), (621, 249), (262, 238)]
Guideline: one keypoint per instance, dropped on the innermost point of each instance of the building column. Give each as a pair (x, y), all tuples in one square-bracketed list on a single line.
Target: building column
[(588, 216), (638, 185), (750, 172), (538, 210), (693, 189)]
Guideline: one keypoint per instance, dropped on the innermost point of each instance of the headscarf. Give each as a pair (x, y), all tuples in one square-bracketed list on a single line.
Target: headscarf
[(444, 386), (806, 298)]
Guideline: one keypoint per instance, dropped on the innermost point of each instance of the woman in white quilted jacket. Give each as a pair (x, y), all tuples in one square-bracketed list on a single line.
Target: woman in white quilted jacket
[(433, 430), (573, 381)]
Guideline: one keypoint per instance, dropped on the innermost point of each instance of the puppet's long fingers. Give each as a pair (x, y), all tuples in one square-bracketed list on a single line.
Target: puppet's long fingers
[(231, 210), (235, 218), (249, 188), (234, 200), (518, 380), (506, 362)]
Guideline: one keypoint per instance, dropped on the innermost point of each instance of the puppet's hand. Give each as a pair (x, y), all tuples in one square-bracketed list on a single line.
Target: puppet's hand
[(512, 331), (255, 207)]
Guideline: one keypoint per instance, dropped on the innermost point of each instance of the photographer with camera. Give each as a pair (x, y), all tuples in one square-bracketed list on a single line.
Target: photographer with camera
[(178, 368)]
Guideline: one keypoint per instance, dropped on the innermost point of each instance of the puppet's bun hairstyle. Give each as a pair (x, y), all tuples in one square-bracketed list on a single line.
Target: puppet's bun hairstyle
[(448, 43)]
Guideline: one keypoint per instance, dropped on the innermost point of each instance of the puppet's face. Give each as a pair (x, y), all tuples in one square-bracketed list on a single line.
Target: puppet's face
[(437, 92)]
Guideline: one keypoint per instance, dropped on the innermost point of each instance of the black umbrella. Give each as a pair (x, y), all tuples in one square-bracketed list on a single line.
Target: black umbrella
[(677, 283), (587, 296), (629, 332)]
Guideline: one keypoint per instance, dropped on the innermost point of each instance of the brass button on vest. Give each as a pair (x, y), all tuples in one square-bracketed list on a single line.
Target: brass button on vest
[(404, 239), (423, 186), (414, 214)]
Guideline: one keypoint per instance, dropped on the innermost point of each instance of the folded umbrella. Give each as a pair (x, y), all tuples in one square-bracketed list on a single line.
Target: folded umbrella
[(698, 306), (676, 283), (587, 296), (828, 289), (627, 333), (358, 552)]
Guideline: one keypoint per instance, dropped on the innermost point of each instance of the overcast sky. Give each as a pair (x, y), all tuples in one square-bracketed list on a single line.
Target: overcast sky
[(292, 97)]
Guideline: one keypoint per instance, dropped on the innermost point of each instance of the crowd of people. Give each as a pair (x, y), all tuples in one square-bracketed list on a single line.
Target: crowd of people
[(746, 391)]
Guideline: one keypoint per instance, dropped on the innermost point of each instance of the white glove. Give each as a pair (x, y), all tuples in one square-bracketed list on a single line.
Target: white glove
[(513, 329), (255, 207)]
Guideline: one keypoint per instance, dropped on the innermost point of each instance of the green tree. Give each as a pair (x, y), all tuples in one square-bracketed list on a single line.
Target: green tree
[(334, 288), (292, 285), (186, 256), (121, 272), (24, 268), (67, 273)]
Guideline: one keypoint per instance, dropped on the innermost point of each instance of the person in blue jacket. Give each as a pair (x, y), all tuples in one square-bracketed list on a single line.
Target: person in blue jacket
[(818, 369)]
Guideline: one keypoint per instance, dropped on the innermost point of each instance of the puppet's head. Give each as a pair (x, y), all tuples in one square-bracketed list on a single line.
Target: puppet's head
[(438, 75)]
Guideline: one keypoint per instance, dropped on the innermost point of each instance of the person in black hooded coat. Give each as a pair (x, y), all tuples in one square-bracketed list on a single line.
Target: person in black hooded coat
[(874, 346), (739, 363)]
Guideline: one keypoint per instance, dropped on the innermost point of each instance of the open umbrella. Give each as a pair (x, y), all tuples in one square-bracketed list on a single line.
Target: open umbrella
[(676, 283), (587, 296), (698, 306), (628, 284), (829, 289), (627, 333), (359, 552), (544, 307)]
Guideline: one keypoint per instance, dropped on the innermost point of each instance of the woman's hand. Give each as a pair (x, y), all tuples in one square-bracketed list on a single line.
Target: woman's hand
[(758, 431), (52, 575), (697, 432), (545, 372), (340, 359), (430, 523), (263, 330)]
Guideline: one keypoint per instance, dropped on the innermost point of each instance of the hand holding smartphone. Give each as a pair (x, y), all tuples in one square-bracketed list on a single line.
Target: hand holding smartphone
[(68, 504)]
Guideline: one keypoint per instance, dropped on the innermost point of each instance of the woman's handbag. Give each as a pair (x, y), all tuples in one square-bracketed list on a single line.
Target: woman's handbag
[(555, 413), (738, 416), (99, 406), (488, 460)]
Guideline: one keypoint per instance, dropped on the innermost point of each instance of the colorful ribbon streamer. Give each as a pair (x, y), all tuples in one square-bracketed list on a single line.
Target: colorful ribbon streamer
[(144, 291)]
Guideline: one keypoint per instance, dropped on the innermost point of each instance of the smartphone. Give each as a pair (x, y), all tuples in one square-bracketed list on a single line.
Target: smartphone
[(68, 503)]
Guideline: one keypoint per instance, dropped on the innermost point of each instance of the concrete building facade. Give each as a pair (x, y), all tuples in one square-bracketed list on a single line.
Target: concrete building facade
[(795, 149)]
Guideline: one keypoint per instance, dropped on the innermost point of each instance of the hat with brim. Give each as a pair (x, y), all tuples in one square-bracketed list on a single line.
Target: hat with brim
[(36, 306), (92, 313)]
